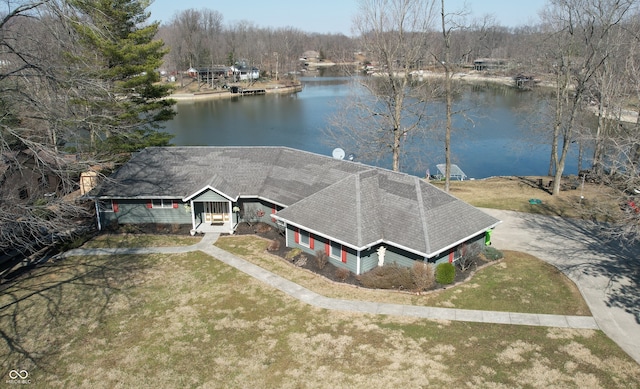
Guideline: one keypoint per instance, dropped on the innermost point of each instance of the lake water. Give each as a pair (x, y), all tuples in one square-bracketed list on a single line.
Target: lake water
[(496, 139)]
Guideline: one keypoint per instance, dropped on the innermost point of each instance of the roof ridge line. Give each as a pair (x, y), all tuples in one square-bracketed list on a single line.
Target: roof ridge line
[(423, 216), (358, 211), (267, 175)]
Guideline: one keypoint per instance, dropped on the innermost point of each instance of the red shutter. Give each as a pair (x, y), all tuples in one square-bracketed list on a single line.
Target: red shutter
[(273, 210), (327, 248), (451, 253), (311, 241), (296, 235), (175, 204), (344, 255), (114, 205), (149, 204)]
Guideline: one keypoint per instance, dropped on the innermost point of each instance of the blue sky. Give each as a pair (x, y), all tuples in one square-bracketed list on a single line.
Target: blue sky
[(334, 16)]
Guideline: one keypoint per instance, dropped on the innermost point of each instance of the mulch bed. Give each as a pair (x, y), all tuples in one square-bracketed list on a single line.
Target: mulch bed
[(330, 271)]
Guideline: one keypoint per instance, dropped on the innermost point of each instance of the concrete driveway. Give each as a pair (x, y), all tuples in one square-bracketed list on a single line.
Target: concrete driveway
[(607, 273)]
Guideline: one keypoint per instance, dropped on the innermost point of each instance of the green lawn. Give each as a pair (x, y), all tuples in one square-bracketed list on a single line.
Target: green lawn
[(190, 321)]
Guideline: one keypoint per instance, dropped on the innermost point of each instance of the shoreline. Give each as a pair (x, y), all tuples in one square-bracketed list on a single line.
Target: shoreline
[(625, 116), (270, 89)]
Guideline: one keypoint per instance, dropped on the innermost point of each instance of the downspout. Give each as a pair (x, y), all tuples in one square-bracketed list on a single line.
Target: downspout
[(286, 235), (193, 215), (230, 208), (98, 215)]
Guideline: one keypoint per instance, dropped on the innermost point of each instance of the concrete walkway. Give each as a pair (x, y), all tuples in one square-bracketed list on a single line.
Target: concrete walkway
[(312, 298), (607, 273)]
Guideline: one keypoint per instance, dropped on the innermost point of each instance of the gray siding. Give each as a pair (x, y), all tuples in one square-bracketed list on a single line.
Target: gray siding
[(319, 245), (210, 195), (368, 259), (400, 257), (136, 212), (443, 257)]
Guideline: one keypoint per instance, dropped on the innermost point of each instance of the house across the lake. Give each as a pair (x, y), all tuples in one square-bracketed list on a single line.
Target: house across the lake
[(361, 216)]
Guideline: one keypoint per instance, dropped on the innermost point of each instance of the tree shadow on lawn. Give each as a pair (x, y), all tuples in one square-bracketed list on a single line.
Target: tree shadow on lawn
[(46, 307), (582, 248)]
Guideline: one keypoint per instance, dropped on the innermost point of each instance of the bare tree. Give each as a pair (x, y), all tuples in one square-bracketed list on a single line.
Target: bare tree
[(64, 85), (578, 35), (35, 176), (448, 23), (388, 107)]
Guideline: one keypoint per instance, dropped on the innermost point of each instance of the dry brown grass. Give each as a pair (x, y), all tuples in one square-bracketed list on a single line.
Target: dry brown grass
[(190, 321), (518, 283), (514, 193), (140, 240)]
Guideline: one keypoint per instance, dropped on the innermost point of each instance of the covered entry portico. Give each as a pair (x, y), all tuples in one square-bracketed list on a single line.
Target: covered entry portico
[(212, 212)]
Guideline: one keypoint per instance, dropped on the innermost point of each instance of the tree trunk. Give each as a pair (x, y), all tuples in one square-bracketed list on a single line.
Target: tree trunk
[(448, 98)]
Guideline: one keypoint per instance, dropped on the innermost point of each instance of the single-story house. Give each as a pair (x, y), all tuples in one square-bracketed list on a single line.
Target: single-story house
[(361, 216)]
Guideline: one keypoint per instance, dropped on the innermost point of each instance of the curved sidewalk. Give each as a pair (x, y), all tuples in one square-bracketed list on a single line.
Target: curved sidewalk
[(305, 295)]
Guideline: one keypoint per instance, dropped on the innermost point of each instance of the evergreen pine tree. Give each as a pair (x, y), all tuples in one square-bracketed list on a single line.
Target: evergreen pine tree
[(121, 103)]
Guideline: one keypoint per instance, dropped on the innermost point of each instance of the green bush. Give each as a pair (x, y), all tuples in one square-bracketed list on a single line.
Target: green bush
[(445, 273), (492, 254)]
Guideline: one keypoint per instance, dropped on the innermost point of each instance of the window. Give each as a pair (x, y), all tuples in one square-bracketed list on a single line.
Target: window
[(336, 250), (304, 238), (158, 203)]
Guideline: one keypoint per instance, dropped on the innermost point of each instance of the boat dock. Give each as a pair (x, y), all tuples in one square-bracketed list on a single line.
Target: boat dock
[(241, 91)]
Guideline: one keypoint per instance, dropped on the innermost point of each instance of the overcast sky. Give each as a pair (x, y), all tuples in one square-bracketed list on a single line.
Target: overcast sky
[(334, 16)]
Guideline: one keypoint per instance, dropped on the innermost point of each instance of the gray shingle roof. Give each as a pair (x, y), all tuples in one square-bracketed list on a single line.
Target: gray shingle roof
[(355, 204)]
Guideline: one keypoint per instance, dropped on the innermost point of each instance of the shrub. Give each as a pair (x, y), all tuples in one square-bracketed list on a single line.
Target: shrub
[(342, 273), (422, 276), (274, 245), (445, 273), (262, 228), (389, 276), (300, 260), (321, 259), (293, 253), (492, 254), (469, 258)]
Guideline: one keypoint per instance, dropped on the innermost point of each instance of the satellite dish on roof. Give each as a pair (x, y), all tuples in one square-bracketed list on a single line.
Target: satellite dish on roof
[(338, 153)]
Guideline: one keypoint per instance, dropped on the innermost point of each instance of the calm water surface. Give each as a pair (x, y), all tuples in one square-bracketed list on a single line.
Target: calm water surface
[(495, 139)]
